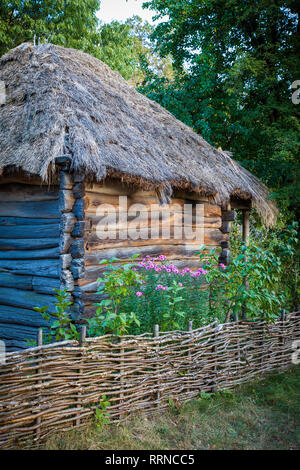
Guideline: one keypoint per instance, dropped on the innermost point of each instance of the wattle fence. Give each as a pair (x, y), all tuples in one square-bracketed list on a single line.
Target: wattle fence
[(57, 387)]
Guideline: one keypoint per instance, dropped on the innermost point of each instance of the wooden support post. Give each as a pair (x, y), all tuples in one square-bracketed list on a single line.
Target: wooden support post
[(246, 232), (156, 335), (214, 355), (122, 414), (39, 371), (190, 329), (82, 335), (82, 340), (282, 338)]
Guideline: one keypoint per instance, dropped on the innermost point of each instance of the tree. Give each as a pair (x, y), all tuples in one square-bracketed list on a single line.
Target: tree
[(69, 23), (235, 61)]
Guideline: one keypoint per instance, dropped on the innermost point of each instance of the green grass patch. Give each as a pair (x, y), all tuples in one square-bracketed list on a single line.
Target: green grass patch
[(260, 415)]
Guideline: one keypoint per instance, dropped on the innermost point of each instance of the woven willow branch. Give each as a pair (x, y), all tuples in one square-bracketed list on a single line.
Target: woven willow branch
[(57, 387)]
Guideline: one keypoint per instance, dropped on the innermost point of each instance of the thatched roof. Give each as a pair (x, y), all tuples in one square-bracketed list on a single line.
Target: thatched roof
[(63, 101)]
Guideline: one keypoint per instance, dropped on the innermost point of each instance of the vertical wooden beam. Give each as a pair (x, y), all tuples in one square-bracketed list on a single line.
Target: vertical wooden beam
[(227, 217), (246, 226)]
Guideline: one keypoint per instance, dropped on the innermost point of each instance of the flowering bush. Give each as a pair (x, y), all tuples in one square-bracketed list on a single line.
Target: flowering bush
[(170, 296)]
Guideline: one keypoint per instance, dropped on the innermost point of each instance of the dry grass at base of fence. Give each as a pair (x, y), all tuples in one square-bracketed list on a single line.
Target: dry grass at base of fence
[(58, 387)]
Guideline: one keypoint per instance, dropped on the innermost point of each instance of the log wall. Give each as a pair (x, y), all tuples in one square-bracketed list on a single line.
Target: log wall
[(180, 251), (29, 257)]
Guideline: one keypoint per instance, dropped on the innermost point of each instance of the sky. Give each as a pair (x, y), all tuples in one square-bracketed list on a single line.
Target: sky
[(121, 10)]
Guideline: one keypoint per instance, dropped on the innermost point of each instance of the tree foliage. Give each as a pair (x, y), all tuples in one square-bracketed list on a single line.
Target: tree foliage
[(69, 23), (235, 61)]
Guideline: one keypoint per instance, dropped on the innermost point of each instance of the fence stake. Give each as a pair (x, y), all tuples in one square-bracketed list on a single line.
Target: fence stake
[(122, 414), (39, 371), (82, 340), (190, 329), (156, 335), (282, 318)]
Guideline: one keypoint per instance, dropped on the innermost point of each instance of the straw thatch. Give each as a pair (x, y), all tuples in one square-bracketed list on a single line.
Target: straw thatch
[(63, 101)]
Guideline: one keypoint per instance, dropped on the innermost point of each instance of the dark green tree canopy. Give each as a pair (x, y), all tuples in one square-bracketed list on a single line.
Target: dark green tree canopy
[(235, 61), (69, 23)]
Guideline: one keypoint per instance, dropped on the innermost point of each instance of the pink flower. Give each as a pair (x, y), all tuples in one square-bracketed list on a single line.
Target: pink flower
[(222, 266), (139, 294), (180, 284)]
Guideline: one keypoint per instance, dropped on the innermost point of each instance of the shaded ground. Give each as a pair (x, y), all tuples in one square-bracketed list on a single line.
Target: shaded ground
[(262, 415)]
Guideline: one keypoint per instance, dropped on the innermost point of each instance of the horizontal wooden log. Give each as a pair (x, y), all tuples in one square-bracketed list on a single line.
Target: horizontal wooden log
[(79, 229), (28, 244), (19, 316), (93, 222), (50, 253), (79, 190), (67, 280), (65, 242), (77, 268), (26, 231), (93, 201), (32, 210), (13, 192), (229, 216), (226, 227), (13, 345), (212, 237), (77, 248), (25, 299), (184, 252), (65, 261), (41, 285), (17, 332), (79, 209), (48, 268), (67, 222), (66, 180), (45, 285), (25, 221), (15, 281), (66, 200)]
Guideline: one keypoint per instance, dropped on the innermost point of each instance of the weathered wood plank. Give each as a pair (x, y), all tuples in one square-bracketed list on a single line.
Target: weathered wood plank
[(28, 244), (93, 201), (32, 210), (50, 253), (19, 316), (45, 285), (48, 268), (25, 299), (26, 231), (17, 332), (66, 200), (25, 221), (18, 282), (184, 252), (212, 237), (13, 192)]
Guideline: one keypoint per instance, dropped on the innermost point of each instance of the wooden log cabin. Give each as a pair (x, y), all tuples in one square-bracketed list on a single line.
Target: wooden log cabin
[(73, 136)]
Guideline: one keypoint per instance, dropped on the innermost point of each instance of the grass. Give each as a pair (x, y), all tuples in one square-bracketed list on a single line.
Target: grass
[(262, 415)]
